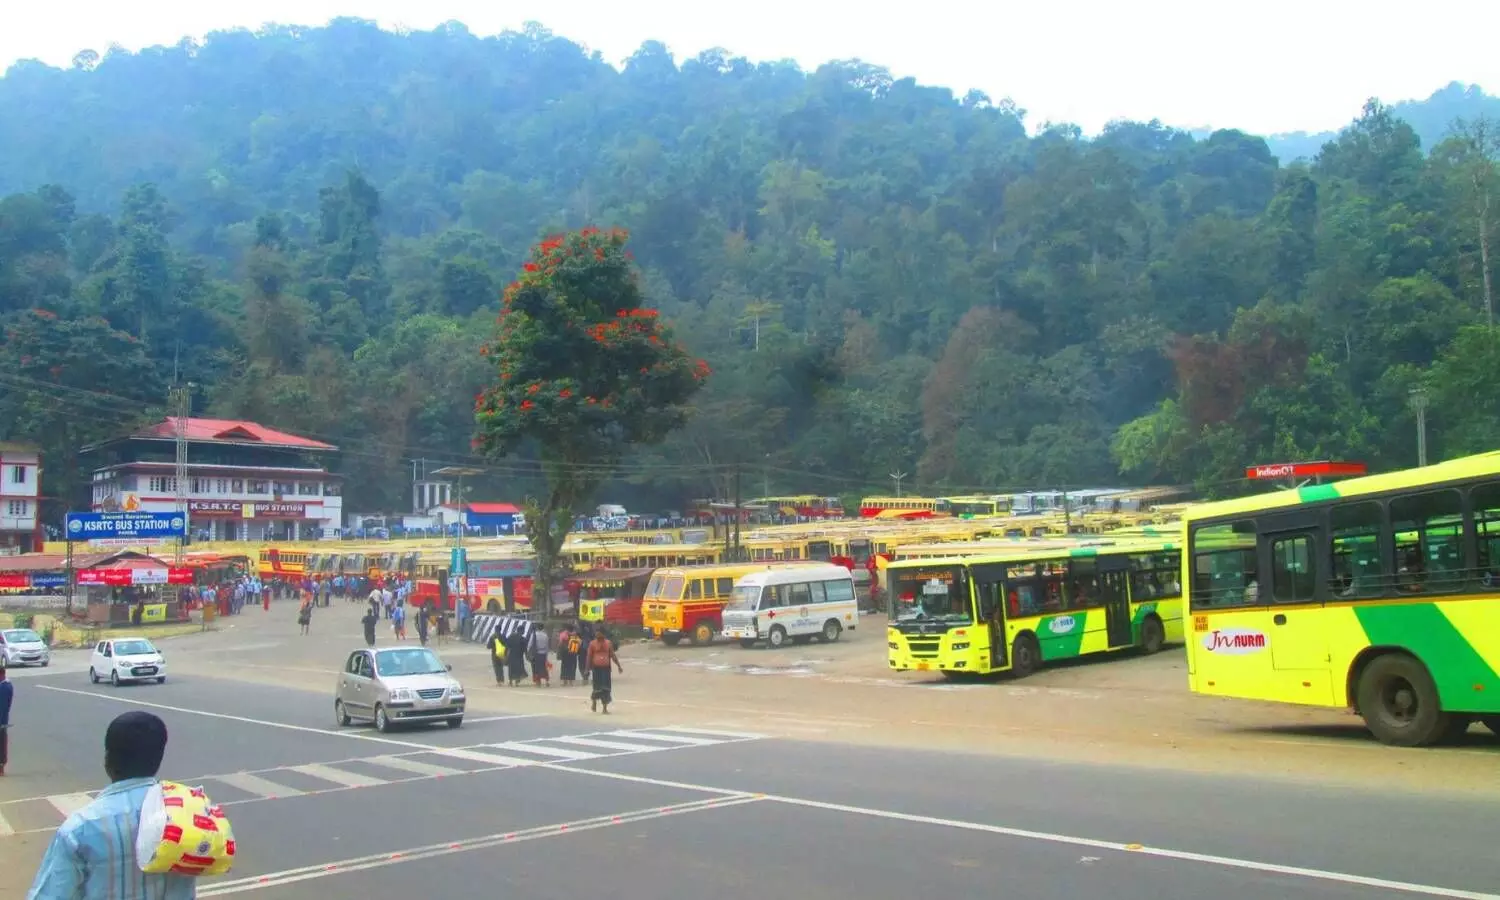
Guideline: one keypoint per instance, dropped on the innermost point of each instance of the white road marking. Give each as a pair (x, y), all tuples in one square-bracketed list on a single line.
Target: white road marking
[(684, 740), (606, 745), (470, 720), (351, 735), (403, 764), (337, 776), (67, 804), (254, 784), (555, 752), (729, 735), (380, 860), (6, 830), (1427, 890), (492, 759)]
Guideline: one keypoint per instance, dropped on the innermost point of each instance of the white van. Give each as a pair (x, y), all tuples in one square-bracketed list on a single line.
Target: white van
[(793, 602)]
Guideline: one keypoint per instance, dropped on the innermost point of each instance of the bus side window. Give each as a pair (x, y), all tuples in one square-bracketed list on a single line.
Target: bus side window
[(725, 587), (1427, 536), (1224, 566), (1293, 579), (1485, 499), (695, 589), (1354, 545)]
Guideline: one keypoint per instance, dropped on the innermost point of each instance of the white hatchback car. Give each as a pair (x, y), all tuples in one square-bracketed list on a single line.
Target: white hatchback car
[(127, 659), (23, 647)]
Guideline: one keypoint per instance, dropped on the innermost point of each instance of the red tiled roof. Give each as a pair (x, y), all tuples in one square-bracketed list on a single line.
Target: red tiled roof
[(231, 431), (492, 509)]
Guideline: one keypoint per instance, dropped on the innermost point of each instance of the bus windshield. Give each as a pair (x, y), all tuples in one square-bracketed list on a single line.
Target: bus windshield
[(929, 594), (745, 597)]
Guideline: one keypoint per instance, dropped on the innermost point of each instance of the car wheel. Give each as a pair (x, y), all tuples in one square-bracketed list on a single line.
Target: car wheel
[(455, 722), (340, 714), (161, 679), (114, 677), (46, 663), (93, 676), (382, 721)]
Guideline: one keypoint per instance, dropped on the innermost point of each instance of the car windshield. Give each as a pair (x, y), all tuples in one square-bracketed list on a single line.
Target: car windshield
[(929, 594), (408, 661), (22, 636), (745, 597), (133, 648)]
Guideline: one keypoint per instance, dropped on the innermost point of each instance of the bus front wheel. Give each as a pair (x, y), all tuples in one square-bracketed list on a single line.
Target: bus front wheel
[(671, 640), (1153, 636), (703, 634), (1399, 702), (1025, 655)]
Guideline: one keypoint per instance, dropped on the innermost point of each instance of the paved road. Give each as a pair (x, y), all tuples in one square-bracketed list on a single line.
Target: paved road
[(608, 805)]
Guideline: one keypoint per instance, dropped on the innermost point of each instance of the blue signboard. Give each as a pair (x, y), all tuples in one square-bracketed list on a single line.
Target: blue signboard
[(144, 525), (456, 561), (48, 579), (502, 568)]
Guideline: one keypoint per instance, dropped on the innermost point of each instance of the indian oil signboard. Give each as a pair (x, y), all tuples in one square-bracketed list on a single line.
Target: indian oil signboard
[(1323, 469), (92, 526)]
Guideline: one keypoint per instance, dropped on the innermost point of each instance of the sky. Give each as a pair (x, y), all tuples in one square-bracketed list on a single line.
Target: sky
[(1265, 67)]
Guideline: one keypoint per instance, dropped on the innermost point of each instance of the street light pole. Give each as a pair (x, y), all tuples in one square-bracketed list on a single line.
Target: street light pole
[(1417, 397)]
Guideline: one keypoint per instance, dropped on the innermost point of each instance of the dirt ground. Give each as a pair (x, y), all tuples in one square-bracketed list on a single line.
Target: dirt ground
[(1124, 709)]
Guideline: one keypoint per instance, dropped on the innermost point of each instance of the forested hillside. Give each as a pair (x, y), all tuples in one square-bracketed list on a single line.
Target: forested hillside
[(1432, 119), (313, 226)]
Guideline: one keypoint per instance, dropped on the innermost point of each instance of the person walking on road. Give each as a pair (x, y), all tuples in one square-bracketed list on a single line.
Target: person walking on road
[(398, 622), (601, 654), (7, 694), (92, 855), (538, 648), (304, 615), (569, 646), (370, 620), (515, 657), (420, 611), (497, 656)]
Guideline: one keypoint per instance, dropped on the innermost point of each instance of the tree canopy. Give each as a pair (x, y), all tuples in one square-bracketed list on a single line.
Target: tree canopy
[(314, 226)]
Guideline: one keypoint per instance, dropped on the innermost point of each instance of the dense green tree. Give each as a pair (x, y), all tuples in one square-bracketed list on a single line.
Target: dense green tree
[(583, 372)]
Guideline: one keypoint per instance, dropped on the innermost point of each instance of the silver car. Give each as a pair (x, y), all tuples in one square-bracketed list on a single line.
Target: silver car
[(24, 647), (397, 686)]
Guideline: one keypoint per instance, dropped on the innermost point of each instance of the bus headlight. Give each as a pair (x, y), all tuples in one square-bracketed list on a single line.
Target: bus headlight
[(893, 645), (963, 646)]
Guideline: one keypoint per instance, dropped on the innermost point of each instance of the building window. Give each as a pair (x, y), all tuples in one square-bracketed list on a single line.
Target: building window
[(198, 485), (331, 489), (161, 484), (19, 508), (285, 488), (308, 488), (239, 486), (260, 487), (221, 486), (17, 474)]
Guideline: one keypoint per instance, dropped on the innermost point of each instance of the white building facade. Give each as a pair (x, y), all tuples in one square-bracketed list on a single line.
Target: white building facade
[(20, 498)]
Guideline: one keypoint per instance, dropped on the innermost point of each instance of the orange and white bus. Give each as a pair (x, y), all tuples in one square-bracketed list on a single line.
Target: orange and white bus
[(899, 508)]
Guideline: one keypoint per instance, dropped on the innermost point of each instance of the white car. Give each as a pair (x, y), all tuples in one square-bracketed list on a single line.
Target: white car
[(23, 647), (127, 659)]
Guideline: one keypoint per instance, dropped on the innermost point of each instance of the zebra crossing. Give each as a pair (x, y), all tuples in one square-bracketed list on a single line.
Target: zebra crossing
[(38, 814)]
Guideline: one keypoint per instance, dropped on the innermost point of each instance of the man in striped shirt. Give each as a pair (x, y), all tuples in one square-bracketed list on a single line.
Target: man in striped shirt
[(92, 856)]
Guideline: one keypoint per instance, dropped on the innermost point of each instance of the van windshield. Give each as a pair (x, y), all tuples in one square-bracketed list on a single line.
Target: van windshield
[(745, 597)]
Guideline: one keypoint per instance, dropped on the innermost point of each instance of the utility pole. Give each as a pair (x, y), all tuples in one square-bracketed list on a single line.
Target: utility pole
[(1417, 396), (180, 399), (765, 477), (1067, 514), (739, 510), (897, 477)]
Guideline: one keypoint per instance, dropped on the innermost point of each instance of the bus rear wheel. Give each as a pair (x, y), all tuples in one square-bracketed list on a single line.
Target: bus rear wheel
[(1399, 702), (1492, 723), (1153, 636), (1025, 655)]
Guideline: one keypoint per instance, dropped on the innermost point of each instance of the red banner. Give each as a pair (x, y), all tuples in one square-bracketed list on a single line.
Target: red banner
[(14, 580), (128, 577), (522, 588)]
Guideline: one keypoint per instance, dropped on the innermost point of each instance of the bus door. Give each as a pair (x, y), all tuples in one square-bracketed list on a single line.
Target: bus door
[(1114, 593), (989, 611), (1289, 584)]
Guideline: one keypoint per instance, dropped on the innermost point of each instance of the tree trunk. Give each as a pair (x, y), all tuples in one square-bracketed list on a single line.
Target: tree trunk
[(1484, 260), (548, 522)]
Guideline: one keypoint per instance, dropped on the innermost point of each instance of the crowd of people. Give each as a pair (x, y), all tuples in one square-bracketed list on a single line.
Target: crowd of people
[(584, 653)]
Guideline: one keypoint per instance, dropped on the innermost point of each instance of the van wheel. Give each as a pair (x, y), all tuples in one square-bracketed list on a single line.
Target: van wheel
[(703, 634), (1399, 702), (1153, 636), (831, 631), (777, 638), (1025, 655), (747, 643)]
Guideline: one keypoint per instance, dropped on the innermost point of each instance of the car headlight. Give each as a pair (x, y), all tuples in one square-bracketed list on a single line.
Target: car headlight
[(401, 694), (455, 689)]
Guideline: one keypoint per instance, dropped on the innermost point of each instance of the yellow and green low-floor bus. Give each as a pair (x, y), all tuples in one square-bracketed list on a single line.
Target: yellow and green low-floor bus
[(1380, 594), (1013, 611)]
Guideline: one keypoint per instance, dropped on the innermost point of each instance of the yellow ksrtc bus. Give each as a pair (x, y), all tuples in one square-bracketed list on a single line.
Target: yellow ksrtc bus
[(1013, 611), (1381, 594), (688, 601)]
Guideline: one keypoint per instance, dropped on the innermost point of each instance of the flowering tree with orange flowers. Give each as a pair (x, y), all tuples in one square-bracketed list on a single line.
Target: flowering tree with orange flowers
[(583, 372)]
